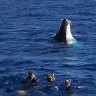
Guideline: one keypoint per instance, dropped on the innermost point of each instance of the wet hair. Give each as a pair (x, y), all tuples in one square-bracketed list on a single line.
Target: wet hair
[(67, 81), (29, 72)]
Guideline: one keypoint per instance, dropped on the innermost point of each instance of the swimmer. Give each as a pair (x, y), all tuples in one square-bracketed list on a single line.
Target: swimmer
[(68, 86), (67, 83), (51, 77), (30, 78), (70, 89)]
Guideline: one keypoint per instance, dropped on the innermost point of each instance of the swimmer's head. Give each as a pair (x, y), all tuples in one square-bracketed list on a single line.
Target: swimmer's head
[(52, 73), (29, 73), (67, 82)]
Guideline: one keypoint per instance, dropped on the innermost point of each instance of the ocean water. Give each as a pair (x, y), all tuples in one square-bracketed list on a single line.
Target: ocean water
[(27, 28)]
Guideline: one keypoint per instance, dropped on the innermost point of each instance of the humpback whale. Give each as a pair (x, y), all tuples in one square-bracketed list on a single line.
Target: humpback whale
[(64, 34)]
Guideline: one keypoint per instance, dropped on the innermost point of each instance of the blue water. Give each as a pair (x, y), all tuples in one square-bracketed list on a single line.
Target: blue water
[(27, 28)]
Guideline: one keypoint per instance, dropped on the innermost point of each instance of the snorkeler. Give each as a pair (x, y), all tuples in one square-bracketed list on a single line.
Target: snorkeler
[(67, 84), (30, 78), (51, 77)]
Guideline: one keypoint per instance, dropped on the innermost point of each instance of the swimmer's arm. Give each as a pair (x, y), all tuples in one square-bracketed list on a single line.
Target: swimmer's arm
[(77, 87)]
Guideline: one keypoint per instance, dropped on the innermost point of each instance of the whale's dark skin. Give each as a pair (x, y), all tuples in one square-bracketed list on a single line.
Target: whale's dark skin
[(64, 34)]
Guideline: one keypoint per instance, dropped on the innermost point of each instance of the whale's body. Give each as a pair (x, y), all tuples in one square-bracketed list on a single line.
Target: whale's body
[(64, 34)]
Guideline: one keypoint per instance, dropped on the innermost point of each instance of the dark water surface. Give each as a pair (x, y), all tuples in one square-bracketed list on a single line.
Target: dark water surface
[(27, 28)]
